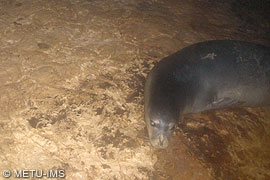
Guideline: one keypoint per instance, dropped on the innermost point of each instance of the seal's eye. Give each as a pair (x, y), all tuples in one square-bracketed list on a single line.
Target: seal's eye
[(152, 123)]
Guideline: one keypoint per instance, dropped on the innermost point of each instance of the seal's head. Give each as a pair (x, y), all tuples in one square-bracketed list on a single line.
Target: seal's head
[(161, 106), (159, 130), (160, 125)]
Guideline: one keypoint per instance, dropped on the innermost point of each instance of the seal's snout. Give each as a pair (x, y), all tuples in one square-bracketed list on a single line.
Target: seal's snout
[(161, 139)]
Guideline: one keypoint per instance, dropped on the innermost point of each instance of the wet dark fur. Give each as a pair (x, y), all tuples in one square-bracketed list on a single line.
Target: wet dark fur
[(204, 76)]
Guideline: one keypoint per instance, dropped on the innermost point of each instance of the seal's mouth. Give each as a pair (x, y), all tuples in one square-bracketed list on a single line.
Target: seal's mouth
[(160, 141)]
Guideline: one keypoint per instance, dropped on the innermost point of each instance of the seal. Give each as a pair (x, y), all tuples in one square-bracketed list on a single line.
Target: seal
[(204, 76)]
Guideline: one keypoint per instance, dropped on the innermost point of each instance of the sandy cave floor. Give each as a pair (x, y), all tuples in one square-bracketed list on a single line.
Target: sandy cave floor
[(71, 90)]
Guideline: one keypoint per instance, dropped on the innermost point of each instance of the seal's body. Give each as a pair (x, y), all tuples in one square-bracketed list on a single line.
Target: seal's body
[(205, 76)]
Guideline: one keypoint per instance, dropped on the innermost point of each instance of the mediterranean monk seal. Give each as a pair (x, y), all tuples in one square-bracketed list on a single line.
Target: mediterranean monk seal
[(204, 76)]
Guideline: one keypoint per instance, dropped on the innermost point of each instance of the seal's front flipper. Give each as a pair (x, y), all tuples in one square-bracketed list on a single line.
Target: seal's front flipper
[(222, 103)]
